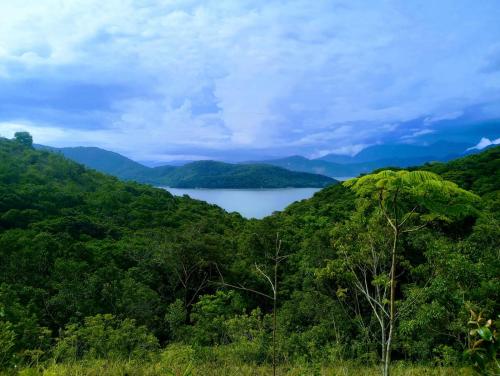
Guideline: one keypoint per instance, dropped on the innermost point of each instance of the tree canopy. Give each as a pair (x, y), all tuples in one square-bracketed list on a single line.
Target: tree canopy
[(124, 268)]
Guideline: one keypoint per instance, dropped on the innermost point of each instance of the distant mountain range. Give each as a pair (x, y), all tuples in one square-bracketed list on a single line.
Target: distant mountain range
[(200, 174), (374, 157), (294, 171)]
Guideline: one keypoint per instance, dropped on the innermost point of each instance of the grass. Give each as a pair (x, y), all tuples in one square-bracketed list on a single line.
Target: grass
[(183, 360), (137, 368)]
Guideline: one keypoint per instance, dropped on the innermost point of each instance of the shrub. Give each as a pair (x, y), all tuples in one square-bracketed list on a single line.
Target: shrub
[(105, 336), (210, 314), (7, 342)]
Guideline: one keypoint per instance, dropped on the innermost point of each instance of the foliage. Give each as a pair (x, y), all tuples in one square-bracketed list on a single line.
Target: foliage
[(24, 138), (210, 314), (7, 343), (105, 337), (200, 174), (93, 267), (484, 347)]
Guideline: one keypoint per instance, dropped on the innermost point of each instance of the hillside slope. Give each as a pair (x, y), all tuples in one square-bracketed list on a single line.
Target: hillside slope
[(200, 174), (87, 260), (479, 173), (211, 174), (101, 160), (374, 157)]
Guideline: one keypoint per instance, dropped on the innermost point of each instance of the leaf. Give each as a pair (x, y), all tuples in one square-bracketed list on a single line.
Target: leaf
[(341, 292), (485, 333)]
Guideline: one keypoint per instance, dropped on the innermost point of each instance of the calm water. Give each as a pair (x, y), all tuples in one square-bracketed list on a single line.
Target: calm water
[(250, 203)]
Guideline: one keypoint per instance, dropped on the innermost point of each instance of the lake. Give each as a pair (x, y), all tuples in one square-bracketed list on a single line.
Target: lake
[(250, 203)]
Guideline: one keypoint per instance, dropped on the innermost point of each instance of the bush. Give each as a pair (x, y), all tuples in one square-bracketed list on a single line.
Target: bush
[(105, 336), (176, 320), (249, 340), (7, 337), (210, 314)]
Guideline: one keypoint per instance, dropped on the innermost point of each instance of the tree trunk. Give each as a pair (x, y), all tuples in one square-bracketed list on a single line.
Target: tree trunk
[(386, 371), (275, 296), (383, 343)]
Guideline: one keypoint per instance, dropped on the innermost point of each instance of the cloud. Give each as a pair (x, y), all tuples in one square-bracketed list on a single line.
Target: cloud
[(441, 117), (153, 78), (485, 142), (343, 150), (417, 133)]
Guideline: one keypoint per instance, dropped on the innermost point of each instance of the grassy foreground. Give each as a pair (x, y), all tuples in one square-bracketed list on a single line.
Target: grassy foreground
[(124, 368), (105, 368)]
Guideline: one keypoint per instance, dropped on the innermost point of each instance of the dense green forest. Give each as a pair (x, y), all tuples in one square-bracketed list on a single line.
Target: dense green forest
[(199, 174), (394, 271)]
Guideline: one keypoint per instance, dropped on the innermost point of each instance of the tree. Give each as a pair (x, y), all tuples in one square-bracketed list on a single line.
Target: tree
[(272, 280), (24, 138), (407, 202)]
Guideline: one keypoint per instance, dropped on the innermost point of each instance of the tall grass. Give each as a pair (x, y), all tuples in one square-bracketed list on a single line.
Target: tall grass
[(134, 368), (183, 360)]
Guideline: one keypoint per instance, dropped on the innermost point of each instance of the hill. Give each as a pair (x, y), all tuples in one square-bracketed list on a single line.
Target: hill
[(374, 157), (440, 150), (100, 272), (110, 163), (479, 172), (200, 174), (211, 174)]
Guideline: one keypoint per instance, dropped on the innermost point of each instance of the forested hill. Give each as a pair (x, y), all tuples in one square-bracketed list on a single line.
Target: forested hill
[(201, 174), (93, 269), (211, 174), (479, 173), (104, 161)]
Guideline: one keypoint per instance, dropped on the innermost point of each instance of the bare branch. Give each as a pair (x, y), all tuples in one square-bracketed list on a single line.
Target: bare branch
[(408, 215), (201, 286), (246, 289), (414, 229), (239, 287), (267, 277)]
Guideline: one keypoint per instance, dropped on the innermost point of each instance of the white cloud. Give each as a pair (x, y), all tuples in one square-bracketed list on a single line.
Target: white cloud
[(350, 150), (417, 133), (270, 67), (485, 142), (447, 116)]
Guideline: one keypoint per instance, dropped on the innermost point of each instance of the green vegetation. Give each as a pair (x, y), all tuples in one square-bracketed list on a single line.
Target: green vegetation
[(109, 162), (201, 174), (104, 277), (211, 174)]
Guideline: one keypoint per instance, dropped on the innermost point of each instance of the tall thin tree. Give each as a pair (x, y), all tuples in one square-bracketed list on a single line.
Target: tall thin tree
[(272, 280), (408, 201)]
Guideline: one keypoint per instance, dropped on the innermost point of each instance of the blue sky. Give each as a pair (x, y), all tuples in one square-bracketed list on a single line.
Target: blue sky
[(161, 80)]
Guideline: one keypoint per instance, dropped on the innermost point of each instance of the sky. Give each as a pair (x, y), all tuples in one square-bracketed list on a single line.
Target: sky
[(161, 80)]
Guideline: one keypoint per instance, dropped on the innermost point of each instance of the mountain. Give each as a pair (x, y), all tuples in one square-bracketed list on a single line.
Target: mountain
[(374, 157), (335, 170), (104, 161), (314, 166), (402, 153), (200, 174), (212, 174), (479, 172)]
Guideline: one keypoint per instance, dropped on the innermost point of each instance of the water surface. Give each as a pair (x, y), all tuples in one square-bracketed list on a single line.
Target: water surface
[(250, 203)]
